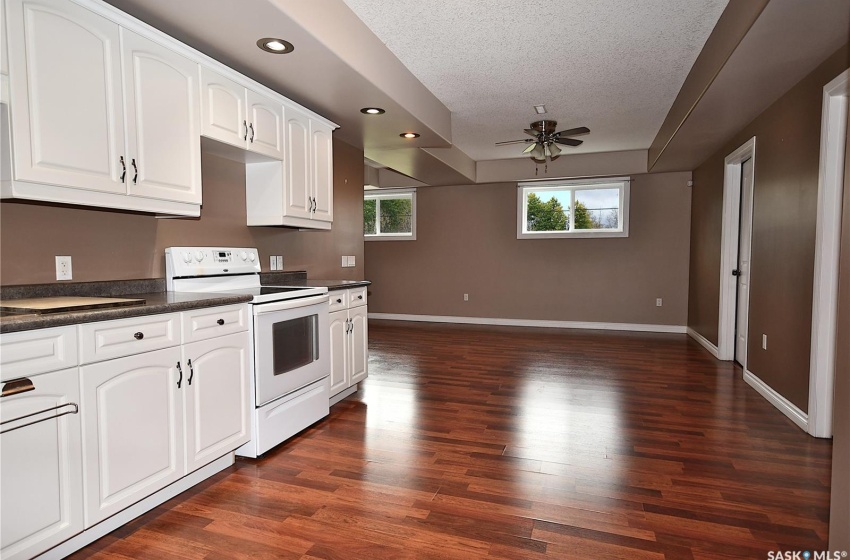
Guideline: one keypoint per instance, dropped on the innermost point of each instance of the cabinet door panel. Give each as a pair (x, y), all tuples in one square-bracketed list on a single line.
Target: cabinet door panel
[(217, 400), (266, 120), (163, 121), (41, 499), (66, 103), (297, 165), (223, 114), (359, 340), (133, 426), (323, 182), (339, 380)]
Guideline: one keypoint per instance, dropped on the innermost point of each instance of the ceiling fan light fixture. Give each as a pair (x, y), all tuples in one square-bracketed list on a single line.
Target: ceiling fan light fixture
[(529, 148), (538, 152), (556, 151)]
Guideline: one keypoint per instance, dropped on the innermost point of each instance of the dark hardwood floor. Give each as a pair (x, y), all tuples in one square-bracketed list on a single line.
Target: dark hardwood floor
[(498, 442)]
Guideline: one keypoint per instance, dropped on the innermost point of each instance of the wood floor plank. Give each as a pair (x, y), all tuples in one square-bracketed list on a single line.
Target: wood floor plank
[(470, 442)]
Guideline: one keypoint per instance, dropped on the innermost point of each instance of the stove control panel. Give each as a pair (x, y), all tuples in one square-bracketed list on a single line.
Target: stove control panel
[(181, 262)]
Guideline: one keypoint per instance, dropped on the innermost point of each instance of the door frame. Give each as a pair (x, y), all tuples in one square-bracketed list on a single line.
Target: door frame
[(827, 241), (729, 247)]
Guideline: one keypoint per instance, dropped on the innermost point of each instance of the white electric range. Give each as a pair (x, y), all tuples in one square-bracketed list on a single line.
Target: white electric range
[(290, 331)]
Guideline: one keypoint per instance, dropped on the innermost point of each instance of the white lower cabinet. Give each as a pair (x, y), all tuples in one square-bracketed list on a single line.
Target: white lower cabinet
[(41, 478), (349, 341), (150, 403), (133, 422), (216, 398)]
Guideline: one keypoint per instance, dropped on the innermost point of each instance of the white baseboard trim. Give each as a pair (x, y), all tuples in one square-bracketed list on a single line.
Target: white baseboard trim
[(639, 327), (707, 344), (785, 406)]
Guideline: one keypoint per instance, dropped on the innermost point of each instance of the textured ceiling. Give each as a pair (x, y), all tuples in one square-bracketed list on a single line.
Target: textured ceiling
[(610, 65)]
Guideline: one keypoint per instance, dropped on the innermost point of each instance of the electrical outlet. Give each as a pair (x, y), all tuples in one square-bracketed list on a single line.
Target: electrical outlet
[(764, 342), (63, 268), (658, 302), (465, 297)]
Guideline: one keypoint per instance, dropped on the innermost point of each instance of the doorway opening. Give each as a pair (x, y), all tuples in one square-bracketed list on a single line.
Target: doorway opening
[(827, 241)]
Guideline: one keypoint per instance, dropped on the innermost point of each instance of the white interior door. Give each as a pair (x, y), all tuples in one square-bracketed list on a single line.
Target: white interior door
[(744, 249)]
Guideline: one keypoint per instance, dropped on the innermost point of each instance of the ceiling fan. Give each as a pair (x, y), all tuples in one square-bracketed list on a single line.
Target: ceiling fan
[(544, 143)]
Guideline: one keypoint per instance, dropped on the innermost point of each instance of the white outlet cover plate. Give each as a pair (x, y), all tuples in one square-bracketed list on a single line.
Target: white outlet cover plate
[(63, 268)]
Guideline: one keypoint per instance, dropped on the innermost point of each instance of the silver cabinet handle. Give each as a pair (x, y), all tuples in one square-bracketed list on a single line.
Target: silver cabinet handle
[(245, 123), (135, 170), (179, 379), (191, 371), (251, 126), (123, 169), (74, 411)]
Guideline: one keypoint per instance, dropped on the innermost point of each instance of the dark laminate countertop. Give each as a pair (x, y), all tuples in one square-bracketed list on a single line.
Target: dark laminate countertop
[(156, 302), (151, 290)]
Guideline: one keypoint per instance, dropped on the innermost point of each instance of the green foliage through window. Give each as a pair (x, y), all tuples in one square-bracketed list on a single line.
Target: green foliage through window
[(390, 215)]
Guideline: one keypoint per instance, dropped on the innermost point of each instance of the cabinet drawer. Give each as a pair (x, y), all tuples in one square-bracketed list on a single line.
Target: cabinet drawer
[(38, 351), (338, 300), (202, 324), (357, 297), (125, 337)]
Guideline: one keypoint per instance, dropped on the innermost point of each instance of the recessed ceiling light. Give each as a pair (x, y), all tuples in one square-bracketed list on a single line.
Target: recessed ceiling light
[(372, 111), (275, 46), (409, 135)]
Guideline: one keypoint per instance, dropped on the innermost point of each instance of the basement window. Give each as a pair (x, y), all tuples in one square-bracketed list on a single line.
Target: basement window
[(580, 208), (389, 215)]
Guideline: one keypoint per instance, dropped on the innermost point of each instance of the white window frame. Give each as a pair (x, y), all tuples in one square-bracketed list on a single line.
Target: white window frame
[(381, 194), (621, 183)]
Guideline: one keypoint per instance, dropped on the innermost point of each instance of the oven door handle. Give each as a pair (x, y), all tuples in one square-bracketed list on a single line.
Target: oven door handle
[(262, 308)]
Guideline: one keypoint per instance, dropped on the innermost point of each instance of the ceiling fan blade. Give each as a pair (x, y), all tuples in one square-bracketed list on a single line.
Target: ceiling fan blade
[(529, 148), (569, 141), (573, 131), (524, 141), (531, 132)]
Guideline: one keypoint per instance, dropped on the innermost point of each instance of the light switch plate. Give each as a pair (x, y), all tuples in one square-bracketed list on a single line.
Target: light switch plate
[(272, 262), (351, 260)]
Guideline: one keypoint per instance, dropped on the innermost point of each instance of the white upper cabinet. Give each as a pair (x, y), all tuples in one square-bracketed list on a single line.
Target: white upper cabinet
[(75, 140), (298, 202), (66, 104), (304, 196), (323, 171), (163, 133), (223, 114), (241, 117), (106, 111), (265, 125)]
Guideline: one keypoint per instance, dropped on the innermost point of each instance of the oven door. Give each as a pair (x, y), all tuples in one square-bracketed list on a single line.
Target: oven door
[(291, 346)]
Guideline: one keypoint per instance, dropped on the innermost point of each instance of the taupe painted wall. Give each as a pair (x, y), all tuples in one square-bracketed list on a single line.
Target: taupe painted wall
[(466, 243), (839, 514), (784, 219), (107, 245)]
